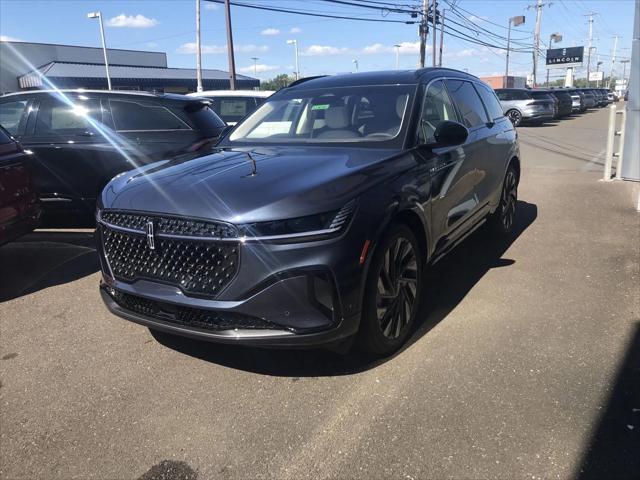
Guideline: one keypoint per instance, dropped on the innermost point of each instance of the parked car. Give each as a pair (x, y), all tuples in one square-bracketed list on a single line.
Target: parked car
[(590, 100), (82, 139), (315, 218), (233, 105), (565, 103), (19, 206), (525, 105), (577, 99)]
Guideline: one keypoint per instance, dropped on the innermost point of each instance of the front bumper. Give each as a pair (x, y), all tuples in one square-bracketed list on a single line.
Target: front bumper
[(283, 295)]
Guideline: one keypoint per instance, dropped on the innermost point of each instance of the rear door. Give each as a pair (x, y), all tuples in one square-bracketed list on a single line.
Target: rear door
[(497, 149), (69, 152), (474, 117)]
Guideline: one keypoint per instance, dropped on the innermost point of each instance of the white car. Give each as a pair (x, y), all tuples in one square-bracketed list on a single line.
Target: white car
[(233, 105)]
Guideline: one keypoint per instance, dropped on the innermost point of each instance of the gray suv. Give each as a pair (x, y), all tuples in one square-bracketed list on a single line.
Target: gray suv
[(314, 219), (521, 104)]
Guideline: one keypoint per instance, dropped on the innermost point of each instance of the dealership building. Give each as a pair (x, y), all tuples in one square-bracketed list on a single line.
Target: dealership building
[(28, 66)]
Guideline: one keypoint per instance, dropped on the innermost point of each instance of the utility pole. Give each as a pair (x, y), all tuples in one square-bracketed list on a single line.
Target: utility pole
[(397, 56), (433, 30), (423, 29), (613, 59), (598, 63), (590, 15), (441, 35), (232, 61), (536, 39), (198, 50), (255, 66)]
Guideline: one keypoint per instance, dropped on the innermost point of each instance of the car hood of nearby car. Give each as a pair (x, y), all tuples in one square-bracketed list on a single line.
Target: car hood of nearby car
[(253, 184)]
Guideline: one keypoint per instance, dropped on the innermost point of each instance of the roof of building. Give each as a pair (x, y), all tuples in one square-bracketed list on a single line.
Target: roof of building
[(88, 70)]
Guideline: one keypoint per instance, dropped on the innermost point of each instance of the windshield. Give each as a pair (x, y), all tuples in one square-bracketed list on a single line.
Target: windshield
[(328, 115)]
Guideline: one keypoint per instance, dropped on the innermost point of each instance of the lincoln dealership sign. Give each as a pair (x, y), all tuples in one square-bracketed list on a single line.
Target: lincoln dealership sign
[(565, 57)]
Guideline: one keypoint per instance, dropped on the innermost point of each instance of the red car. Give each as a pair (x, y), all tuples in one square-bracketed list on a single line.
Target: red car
[(19, 206)]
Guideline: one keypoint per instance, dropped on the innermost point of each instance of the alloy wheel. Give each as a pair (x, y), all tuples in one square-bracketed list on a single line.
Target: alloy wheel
[(397, 288), (509, 200), (515, 116)]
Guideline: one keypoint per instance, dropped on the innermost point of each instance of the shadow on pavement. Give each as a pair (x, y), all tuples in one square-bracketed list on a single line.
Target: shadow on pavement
[(614, 448), (456, 275), (44, 259)]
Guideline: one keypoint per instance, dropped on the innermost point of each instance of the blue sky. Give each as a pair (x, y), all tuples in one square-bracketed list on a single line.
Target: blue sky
[(327, 46)]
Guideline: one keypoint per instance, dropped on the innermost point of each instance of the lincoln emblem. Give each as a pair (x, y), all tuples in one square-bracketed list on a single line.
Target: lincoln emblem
[(151, 241)]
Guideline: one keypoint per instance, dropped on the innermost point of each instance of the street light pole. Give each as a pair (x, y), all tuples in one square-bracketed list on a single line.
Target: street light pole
[(198, 50), (98, 15), (232, 60), (444, 10), (295, 45), (255, 65), (515, 21), (355, 62), (553, 38)]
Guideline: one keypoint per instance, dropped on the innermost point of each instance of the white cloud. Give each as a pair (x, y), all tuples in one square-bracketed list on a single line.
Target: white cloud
[(259, 68), (269, 32), (406, 48), (7, 38), (295, 30), (190, 48), (132, 21), (324, 50), (211, 6)]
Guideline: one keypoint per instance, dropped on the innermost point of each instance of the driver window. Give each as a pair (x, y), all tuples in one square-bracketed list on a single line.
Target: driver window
[(436, 107)]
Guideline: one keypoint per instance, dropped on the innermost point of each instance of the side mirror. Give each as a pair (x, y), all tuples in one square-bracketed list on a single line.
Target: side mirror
[(449, 134)]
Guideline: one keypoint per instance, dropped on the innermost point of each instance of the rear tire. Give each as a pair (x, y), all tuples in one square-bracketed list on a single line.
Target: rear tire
[(503, 219), (515, 116), (392, 291)]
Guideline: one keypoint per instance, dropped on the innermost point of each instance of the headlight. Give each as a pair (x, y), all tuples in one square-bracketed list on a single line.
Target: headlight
[(306, 228)]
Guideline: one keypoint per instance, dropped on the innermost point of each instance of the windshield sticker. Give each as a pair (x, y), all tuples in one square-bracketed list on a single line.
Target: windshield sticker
[(323, 106)]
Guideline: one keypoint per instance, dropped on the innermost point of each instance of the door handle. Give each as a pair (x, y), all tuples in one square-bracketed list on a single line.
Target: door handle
[(86, 134)]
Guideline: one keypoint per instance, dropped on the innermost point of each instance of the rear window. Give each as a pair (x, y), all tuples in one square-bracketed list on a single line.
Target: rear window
[(135, 116), (233, 109), (541, 95), (10, 115), (205, 120)]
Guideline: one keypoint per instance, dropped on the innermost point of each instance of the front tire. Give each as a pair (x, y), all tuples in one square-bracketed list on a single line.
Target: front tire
[(392, 291), (503, 219), (515, 116)]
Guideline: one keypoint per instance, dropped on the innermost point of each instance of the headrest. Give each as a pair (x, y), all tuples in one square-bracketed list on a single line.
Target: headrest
[(336, 117)]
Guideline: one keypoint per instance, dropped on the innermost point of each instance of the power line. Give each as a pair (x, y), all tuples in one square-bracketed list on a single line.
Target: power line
[(324, 15)]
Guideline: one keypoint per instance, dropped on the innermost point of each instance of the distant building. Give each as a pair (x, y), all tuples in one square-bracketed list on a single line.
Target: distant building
[(27, 66), (505, 82)]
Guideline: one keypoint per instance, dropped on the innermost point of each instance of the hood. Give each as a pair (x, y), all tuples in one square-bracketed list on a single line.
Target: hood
[(252, 184)]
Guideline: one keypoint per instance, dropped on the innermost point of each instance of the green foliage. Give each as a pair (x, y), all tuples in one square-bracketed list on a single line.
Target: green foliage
[(280, 81)]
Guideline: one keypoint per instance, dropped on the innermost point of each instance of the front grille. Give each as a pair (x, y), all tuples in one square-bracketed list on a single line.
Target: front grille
[(169, 225), (214, 320), (197, 267)]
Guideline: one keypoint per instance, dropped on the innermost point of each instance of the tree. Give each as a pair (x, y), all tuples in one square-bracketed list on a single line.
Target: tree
[(280, 81)]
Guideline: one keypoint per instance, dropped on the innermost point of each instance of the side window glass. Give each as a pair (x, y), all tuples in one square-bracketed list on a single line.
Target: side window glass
[(10, 115), (4, 138), (436, 107), (503, 95), (468, 102), (59, 118), (136, 116), (490, 101)]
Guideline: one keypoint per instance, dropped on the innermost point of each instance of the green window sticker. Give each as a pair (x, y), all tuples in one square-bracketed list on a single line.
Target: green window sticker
[(323, 106)]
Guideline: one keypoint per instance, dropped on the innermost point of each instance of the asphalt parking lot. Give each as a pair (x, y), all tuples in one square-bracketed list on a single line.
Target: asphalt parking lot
[(526, 363)]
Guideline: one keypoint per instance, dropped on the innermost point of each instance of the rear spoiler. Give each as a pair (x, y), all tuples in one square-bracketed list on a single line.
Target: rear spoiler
[(302, 80)]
